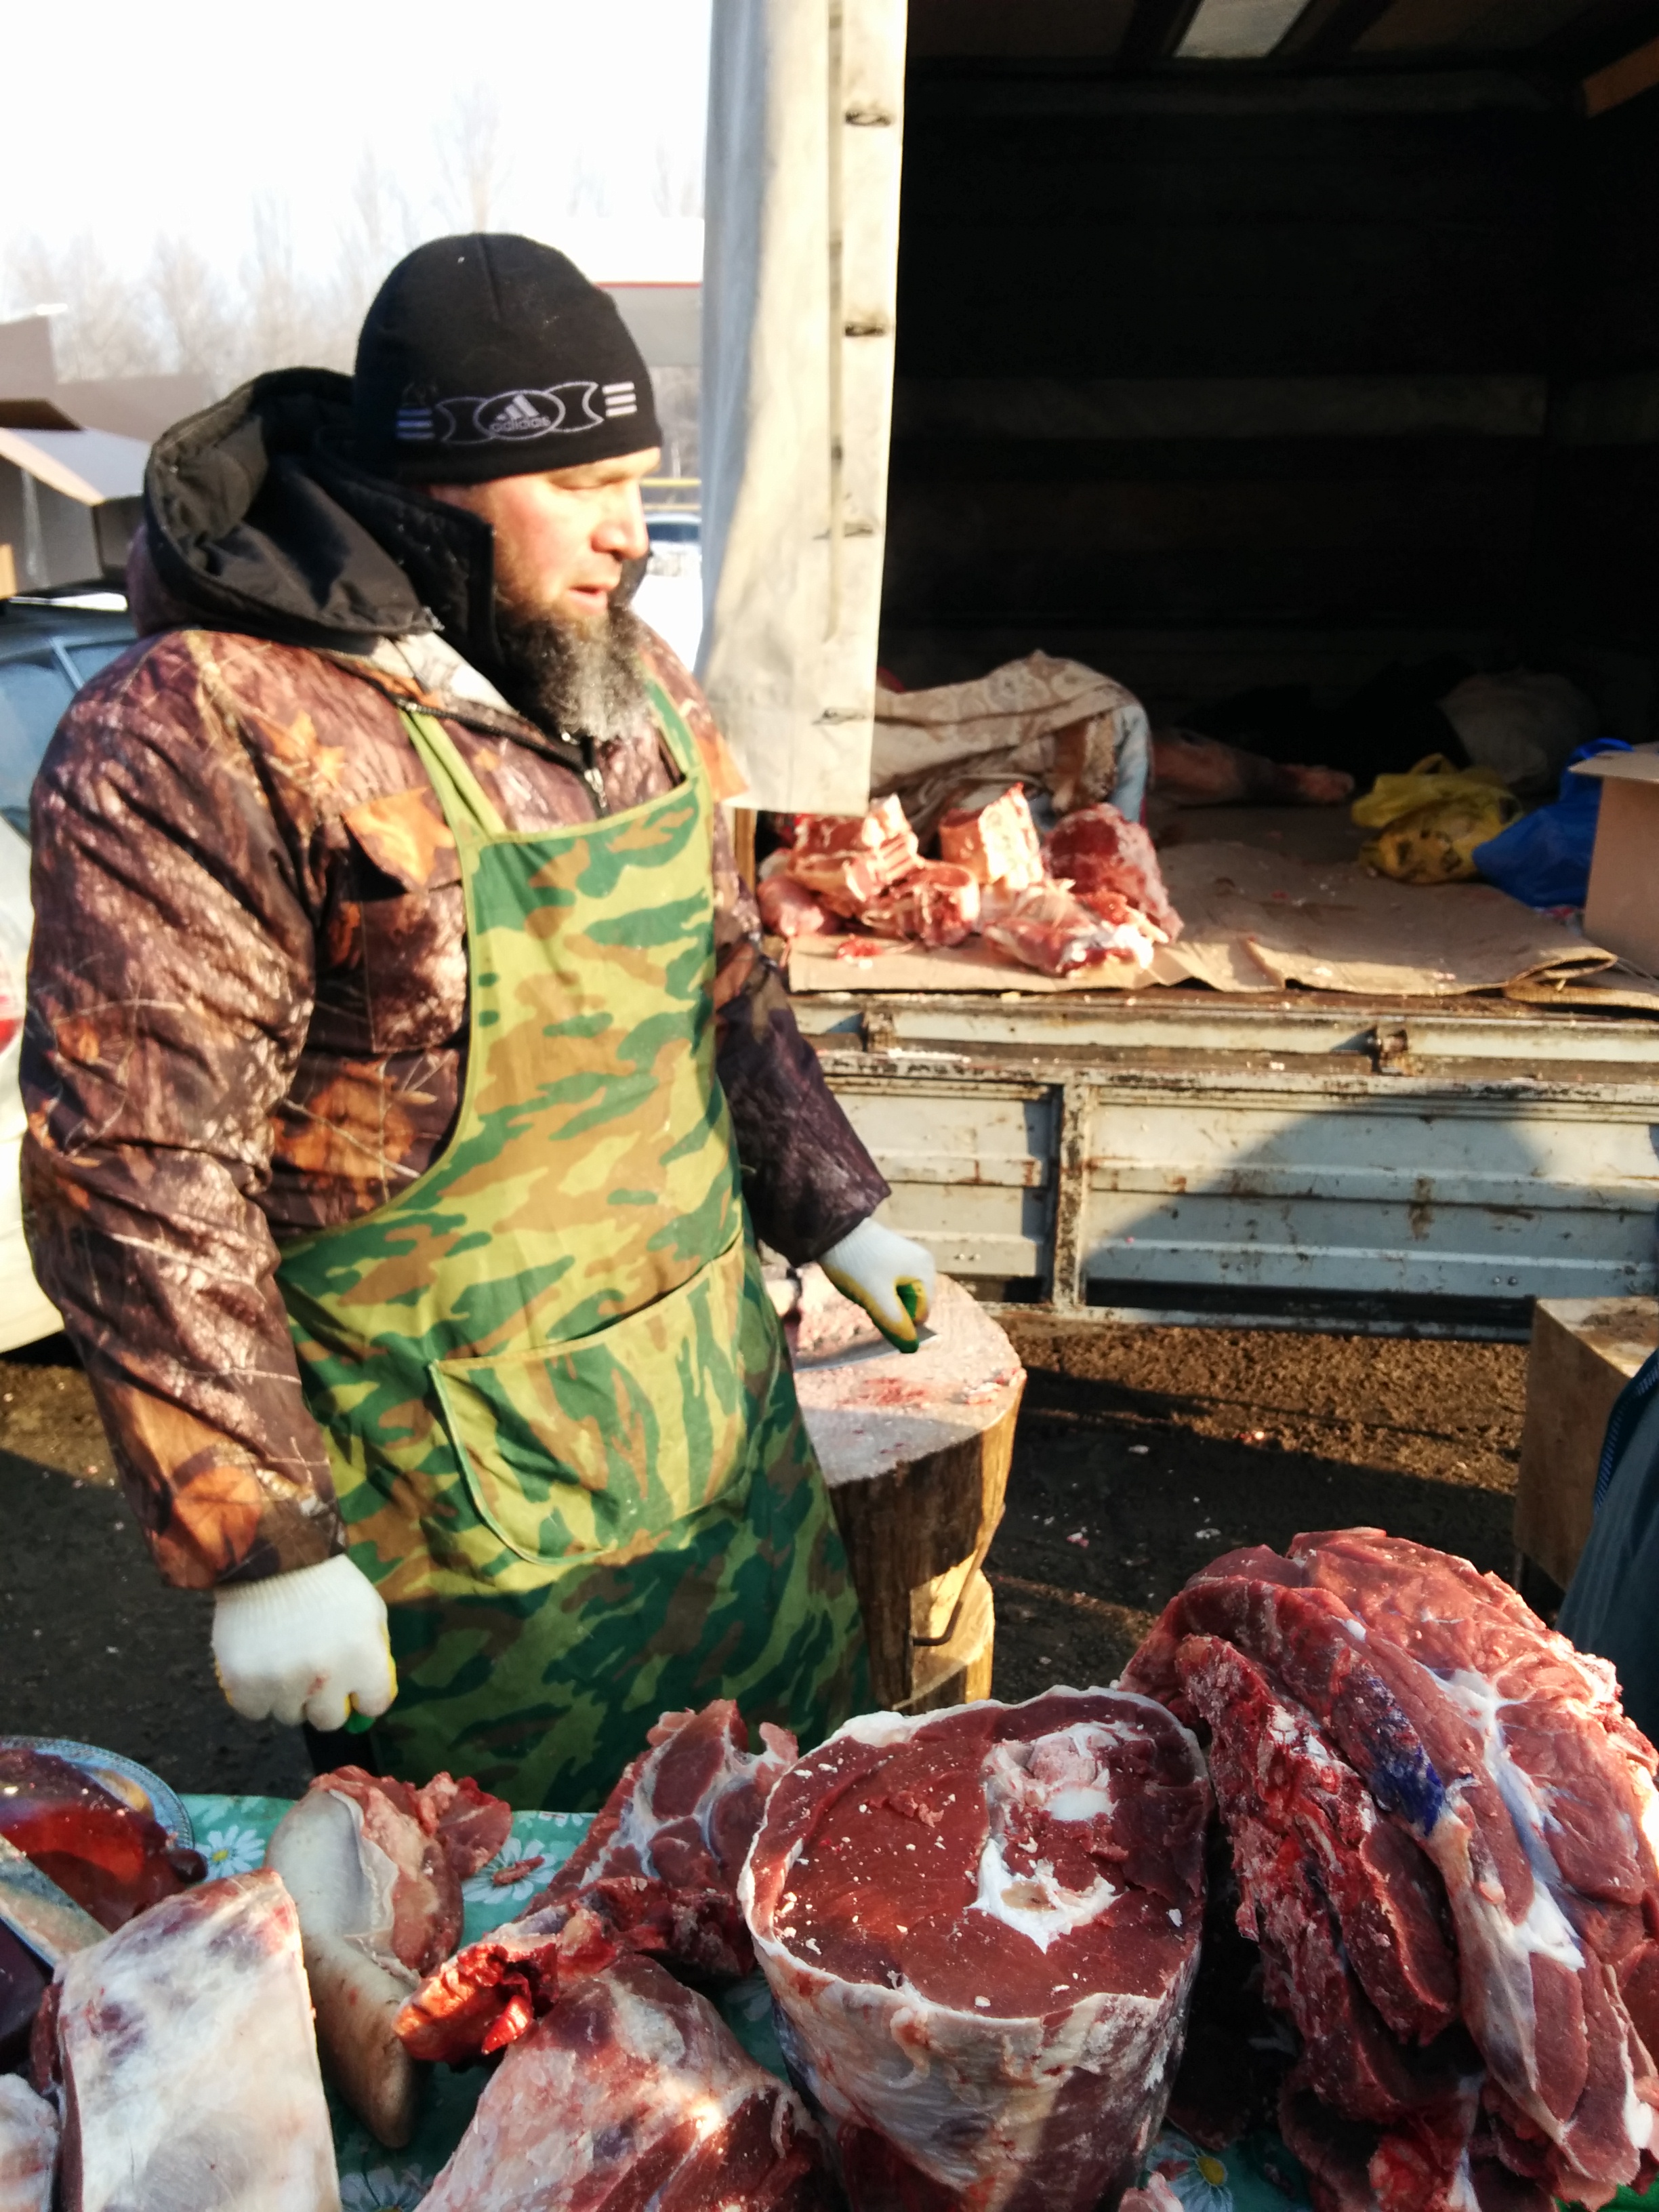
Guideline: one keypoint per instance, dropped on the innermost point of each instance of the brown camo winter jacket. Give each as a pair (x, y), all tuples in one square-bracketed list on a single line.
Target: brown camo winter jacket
[(247, 1020)]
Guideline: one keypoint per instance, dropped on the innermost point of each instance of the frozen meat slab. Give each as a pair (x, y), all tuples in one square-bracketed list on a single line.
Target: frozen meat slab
[(189, 2066), (633, 2091), (981, 1927)]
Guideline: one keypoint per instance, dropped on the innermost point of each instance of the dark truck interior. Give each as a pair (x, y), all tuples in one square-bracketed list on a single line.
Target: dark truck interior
[(1322, 374)]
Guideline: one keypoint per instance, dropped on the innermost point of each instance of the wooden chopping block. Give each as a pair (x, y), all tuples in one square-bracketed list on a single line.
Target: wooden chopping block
[(914, 1447), (1583, 1352)]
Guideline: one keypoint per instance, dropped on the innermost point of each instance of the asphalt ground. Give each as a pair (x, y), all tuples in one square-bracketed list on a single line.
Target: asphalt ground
[(1140, 1453)]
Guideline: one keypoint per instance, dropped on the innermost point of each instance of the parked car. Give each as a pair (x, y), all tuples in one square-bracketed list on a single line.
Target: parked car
[(48, 649)]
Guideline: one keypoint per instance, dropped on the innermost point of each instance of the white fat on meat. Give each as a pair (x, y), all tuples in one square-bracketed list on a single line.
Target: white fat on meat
[(1545, 1932), (28, 2148), (189, 2065), (1061, 1776), (340, 1879)]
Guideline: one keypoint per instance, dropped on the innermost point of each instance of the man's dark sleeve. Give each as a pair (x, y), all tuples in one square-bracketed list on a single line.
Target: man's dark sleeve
[(170, 986), (807, 1175)]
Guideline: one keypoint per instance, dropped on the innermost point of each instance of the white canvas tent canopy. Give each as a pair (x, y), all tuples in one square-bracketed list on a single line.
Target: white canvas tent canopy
[(801, 249)]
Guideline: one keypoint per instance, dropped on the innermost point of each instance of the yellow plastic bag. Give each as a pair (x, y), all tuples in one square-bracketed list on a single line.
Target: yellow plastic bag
[(1432, 819)]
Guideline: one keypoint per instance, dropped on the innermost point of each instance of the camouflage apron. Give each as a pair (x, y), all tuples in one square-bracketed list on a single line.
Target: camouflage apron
[(560, 1419)]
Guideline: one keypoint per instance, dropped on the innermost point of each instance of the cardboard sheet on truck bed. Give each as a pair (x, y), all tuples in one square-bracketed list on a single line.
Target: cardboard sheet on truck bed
[(1257, 919)]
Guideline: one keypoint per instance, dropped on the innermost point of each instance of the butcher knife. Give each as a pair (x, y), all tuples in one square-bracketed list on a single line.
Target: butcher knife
[(41, 1914)]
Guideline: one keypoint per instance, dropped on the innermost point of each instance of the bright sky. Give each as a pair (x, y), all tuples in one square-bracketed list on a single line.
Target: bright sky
[(127, 121)]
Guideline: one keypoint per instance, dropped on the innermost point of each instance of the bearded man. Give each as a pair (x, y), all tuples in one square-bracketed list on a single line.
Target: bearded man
[(407, 1084)]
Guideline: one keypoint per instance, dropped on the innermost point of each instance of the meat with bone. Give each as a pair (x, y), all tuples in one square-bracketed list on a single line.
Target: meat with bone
[(997, 844), (188, 2063), (1110, 864), (374, 1867), (1046, 928), (980, 1927), (936, 904), (1498, 1756), (657, 1872), (28, 2148), (845, 863), (633, 2091)]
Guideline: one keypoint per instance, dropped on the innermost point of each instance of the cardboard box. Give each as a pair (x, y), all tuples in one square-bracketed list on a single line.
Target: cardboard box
[(1621, 914)]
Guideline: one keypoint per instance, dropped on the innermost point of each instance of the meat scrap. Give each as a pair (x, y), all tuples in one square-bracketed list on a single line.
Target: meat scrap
[(980, 1927), (28, 2148), (997, 844), (1047, 928), (188, 2063), (1444, 1830), (374, 1867), (936, 904), (656, 1872), (631, 2089), (1110, 864)]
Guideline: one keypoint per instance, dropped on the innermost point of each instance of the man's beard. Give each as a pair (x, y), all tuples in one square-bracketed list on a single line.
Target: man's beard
[(578, 679)]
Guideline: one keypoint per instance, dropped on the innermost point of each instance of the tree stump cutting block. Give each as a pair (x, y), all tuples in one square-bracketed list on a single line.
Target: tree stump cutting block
[(914, 1447)]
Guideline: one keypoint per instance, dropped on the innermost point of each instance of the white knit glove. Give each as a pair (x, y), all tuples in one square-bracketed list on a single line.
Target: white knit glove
[(309, 1644), (892, 1277)]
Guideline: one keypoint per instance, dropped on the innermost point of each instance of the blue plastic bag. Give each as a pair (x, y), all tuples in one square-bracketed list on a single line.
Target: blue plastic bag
[(1543, 859)]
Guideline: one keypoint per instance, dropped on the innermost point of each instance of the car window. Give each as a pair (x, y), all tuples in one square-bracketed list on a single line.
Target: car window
[(87, 660), (32, 695)]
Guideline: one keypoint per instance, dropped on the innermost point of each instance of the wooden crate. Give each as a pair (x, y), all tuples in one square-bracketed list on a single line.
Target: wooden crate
[(1583, 1352)]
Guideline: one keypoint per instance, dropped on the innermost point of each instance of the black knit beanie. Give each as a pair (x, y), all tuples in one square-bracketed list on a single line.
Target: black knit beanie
[(492, 355)]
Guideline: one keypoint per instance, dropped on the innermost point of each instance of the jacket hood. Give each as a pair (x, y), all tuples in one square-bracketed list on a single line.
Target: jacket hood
[(258, 518)]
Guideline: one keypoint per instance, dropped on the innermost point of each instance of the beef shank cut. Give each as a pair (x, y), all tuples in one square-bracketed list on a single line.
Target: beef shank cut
[(980, 1929), (632, 2091)]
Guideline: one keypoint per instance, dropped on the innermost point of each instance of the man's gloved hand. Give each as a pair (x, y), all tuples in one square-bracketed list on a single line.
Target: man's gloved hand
[(309, 1644), (892, 1277)]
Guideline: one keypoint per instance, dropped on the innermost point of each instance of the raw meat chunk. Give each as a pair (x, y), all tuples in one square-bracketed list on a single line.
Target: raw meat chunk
[(997, 844), (111, 1859), (787, 909), (189, 2068), (936, 904), (28, 2148), (657, 1872), (1046, 928), (632, 2092), (685, 1811), (1109, 863), (1487, 1744), (980, 1927), (846, 864)]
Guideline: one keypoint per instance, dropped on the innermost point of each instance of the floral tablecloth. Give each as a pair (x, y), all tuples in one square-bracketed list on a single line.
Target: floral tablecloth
[(231, 1833)]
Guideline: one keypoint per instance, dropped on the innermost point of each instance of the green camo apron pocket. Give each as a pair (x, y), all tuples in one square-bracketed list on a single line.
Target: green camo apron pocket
[(572, 1451)]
